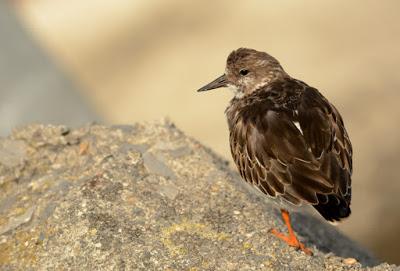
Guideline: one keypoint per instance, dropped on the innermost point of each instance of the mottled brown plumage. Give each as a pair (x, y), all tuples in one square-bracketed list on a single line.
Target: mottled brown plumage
[(285, 137)]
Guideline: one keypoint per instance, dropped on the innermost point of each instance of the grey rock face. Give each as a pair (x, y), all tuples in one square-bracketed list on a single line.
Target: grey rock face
[(144, 198)]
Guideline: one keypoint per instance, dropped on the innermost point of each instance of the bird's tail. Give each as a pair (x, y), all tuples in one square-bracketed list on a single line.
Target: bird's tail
[(334, 209)]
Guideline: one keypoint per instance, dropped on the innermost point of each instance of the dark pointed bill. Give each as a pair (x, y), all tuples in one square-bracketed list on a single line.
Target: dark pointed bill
[(217, 83)]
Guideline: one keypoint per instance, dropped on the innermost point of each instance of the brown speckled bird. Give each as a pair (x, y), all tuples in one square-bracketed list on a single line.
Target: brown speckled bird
[(286, 138)]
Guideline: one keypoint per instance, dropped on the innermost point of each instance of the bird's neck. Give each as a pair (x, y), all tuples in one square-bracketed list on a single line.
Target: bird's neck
[(268, 79)]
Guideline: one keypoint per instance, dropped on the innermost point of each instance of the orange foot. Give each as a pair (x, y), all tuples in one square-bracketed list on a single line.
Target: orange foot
[(290, 239)]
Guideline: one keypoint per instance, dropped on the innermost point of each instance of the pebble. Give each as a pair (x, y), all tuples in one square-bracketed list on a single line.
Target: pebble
[(349, 261)]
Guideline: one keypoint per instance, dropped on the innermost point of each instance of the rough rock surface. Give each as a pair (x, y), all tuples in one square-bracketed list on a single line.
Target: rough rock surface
[(144, 197)]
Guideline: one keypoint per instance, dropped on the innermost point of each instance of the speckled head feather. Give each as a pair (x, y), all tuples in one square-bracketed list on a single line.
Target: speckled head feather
[(248, 70)]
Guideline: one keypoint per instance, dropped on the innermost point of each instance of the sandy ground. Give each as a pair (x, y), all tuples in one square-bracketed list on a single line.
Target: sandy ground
[(141, 60)]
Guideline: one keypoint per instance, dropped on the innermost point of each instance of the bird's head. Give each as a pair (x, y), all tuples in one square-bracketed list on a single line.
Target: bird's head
[(246, 71)]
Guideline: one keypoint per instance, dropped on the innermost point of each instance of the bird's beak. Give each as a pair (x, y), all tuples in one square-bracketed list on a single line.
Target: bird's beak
[(217, 83)]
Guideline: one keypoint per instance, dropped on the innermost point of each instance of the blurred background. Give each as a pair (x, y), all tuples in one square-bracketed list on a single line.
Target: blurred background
[(124, 61)]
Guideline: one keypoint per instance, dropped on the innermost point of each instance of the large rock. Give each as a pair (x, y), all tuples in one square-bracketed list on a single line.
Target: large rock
[(144, 197)]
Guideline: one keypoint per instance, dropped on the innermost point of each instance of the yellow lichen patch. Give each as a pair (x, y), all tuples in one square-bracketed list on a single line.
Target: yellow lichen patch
[(3, 221), (5, 253), (23, 247), (93, 231), (247, 245), (18, 211), (190, 228)]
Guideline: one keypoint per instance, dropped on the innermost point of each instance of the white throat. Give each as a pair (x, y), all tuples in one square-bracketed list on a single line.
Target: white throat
[(236, 91)]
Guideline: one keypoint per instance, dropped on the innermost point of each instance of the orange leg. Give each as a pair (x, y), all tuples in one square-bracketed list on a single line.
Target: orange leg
[(290, 239)]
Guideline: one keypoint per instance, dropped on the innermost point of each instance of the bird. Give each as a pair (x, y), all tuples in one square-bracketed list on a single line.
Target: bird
[(286, 139)]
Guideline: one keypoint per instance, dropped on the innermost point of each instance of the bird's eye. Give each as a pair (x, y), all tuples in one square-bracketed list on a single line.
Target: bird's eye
[(244, 72)]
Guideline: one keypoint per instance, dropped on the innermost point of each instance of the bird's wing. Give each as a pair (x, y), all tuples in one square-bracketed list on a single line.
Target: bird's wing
[(325, 134), (299, 164)]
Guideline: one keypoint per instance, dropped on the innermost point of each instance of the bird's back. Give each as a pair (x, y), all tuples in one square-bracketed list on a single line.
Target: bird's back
[(290, 142)]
